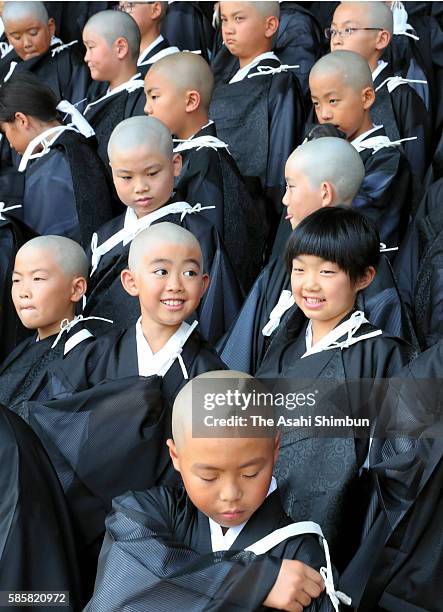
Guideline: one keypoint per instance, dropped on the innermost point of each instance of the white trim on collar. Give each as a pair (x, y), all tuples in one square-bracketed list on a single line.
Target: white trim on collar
[(243, 72)]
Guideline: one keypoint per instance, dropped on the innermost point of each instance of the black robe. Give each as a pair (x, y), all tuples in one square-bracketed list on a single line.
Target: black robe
[(211, 177), (66, 192), (13, 234), (244, 346), (319, 474), (37, 551), (261, 119), (103, 442), (109, 112), (187, 25), (63, 71), (144, 65), (23, 373), (219, 305), (387, 193), (403, 114), (171, 562)]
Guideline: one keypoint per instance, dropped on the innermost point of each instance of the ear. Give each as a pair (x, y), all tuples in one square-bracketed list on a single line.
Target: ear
[(205, 284), (22, 120), (327, 194), (51, 26), (366, 278), (129, 282), (122, 48), (156, 10), (177, 163), (173, 454), (193, 100), (383, 40), (271, 27), (368, 97), (78, 288)]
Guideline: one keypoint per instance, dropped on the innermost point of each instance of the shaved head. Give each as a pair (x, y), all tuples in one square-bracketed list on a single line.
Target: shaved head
[(331, 160), (160, 234), (351, 67), (267, 9), (112, 25), (137, 132), (17, 11), (377, 14), (67, 254), (185, 401), (187, 71)]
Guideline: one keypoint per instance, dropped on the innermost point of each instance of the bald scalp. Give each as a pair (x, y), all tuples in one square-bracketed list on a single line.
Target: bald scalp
[(184, 403), (68, 255), (187, 71), (331, 160), (267, 9), (112, 25), (16, 11), (377, 14), (137, 132), (160, 234), (351, 67)]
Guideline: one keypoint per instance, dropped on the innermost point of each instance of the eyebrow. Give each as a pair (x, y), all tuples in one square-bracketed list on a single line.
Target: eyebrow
[(32, 271), (156, 165), (332, 92), (203, 466), (168, 261)]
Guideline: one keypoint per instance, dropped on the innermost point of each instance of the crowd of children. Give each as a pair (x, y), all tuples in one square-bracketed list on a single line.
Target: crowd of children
[(221, 200)]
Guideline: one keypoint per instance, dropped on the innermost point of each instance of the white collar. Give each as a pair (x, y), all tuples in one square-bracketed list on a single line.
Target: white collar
[(220, 541), (348, 328), (149, 48), (381, 65), (242, 73), (131, 85), (158, 363), (357, 141), (401, 25), (43, 140)]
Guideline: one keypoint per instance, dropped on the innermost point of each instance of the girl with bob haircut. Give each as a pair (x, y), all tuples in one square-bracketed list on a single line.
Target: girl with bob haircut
[(59, 180), (331, 256)]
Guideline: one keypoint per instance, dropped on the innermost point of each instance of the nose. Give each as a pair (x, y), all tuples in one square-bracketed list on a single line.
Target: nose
[(325, 113), (174, 282), (141, 185), (230, 492), (27, 42), (285, 198), (87, 56), (310, 282), (227, 27), (24, 291), (148, 108)]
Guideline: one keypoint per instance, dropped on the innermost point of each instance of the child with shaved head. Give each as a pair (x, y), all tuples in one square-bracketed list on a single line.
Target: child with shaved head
[(30, 31), (342, 93), (222, 541), (178, 93), (143, 168), (258, 108), (48, 281), (165, 278), (112, 42), (367, 29)]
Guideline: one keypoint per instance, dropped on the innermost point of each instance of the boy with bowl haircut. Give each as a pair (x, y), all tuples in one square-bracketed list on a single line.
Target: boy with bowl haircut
[(178, 93), (143, 167), (165, 277), (48, 281), (367, 29), (149, 17), (202, 545), (258, 110), (30, 31), (112, 42), (342, 93)]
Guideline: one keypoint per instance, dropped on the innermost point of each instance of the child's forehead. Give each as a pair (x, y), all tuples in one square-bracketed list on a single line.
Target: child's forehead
[(142, 156), (24, 23), (159, 250), (228, 453), (28, 257)]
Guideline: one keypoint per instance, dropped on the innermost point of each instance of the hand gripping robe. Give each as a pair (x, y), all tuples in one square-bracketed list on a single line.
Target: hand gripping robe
[(64, 188), (210, 177), (110, 249), (37, 549), (102, 442), (13, 234), (319, 475), (106, 109), (259, 113), (166, 554), (270, 301)]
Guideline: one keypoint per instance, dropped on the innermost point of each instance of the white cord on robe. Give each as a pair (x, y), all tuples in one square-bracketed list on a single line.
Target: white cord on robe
[(394, 81), (133, 84), (380, 142), (77, 118), (178, 354), (384, 248), (4, 208), (42, 140), (195, 209), (401, 25), (266, 70), (66, 325), (200, 142), (285, 302), (5, 48), (12, 67), (62, 47)]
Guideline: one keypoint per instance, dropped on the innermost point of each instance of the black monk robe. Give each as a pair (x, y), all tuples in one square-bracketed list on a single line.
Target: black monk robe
[(37, 549), (161, 544)]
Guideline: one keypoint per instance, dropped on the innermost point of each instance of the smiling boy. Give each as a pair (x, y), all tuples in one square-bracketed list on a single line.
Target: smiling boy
[(143, 169), (199, 545)]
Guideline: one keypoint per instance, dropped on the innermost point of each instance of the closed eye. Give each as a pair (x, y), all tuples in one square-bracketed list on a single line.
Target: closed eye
[(297, 270), (250, 475), (208, 479)]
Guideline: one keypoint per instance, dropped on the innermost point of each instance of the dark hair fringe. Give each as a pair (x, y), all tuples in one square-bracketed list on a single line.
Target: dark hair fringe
[(338, 234), (24, 93)]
